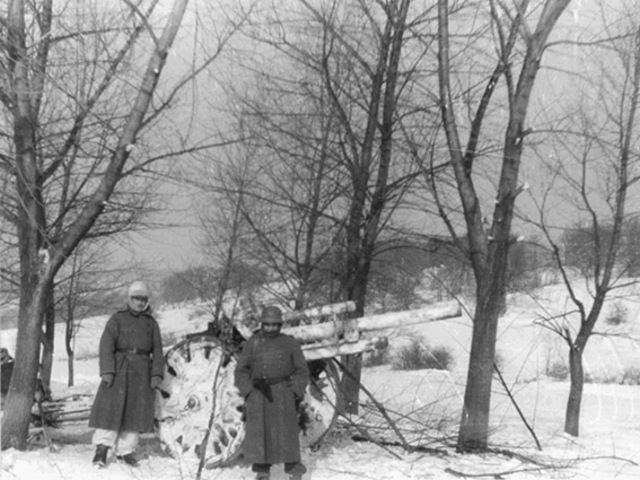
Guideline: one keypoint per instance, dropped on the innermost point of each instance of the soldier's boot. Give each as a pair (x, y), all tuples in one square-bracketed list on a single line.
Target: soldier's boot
[(100, 458), (295, 471), (129, 459)]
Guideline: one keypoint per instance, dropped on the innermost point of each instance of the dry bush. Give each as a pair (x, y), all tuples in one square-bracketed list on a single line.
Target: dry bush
[(418, 356), (377, 357), (557, 370), (618, 315)]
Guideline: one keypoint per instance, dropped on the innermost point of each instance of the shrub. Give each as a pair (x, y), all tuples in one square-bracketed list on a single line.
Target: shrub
[(410, 357), (417, 356), (617, 315), (558, 371), (377, 357), (631, 376), (441, 358)]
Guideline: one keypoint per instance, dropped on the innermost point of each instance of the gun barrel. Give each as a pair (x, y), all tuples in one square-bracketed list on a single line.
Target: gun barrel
[(332, 309), (351, 329)]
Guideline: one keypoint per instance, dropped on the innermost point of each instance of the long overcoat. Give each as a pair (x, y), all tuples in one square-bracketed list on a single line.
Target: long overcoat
[(128, 405), (272, 431)]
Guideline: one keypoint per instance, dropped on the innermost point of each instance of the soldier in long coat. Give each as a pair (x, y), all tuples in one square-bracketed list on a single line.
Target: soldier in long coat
[(272, 375), (131, 367)]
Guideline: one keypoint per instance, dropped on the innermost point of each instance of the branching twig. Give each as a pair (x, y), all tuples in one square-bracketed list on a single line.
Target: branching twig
[(458, 473), (540, 466), (205, 441), (379, 406), (517, 407), (419, 448)]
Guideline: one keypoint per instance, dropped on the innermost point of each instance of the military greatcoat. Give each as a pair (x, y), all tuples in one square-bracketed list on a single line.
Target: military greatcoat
[(131, 349), (272, 431)]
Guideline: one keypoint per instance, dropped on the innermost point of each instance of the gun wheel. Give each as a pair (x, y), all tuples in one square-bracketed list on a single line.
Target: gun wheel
[(321, 401), (186, 399)]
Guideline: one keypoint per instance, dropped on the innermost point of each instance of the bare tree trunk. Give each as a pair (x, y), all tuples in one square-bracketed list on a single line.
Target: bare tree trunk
[(477, 396), (350, 384), (70, 369), (576, 373), (489, 249), (361, 245), (48, 341), (17, 408), (69, 336), (31, 228), (69, 332)]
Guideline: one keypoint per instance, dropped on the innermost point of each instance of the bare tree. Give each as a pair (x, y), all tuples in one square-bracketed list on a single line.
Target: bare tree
[(335, 144), (99, 162), (593, 168), (228, 240), (84, 287), (489, 244)]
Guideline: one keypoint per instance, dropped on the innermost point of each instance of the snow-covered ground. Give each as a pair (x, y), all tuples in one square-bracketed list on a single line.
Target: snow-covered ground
[(608, 446)]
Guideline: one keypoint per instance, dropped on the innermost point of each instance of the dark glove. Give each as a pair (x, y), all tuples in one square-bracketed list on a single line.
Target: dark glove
[(155, 381), (108, 379), (263, 387), (304, 419)]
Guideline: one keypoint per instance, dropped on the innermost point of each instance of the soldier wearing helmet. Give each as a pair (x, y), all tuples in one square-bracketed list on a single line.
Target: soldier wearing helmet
[(272, 375), (131, 368)]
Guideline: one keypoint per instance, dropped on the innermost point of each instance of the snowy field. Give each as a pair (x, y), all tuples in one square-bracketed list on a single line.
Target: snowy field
[(430, 400)]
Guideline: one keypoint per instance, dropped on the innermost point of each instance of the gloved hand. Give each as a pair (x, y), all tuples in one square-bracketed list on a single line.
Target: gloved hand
[(155, 381), (263, 387), (108, 379), (291, 386)]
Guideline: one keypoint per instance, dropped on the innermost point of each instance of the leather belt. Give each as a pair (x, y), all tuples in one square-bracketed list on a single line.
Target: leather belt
[(276, 380), (135, 351)]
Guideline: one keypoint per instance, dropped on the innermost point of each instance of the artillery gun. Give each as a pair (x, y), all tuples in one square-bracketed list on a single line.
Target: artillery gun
[(199, 410)]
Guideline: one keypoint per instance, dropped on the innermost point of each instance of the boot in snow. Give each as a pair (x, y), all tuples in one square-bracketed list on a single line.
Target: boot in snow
[(296, 472), (100, 458), (129, 459)]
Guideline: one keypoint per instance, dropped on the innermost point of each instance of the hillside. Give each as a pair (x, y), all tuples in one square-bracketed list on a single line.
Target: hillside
[(428, 402)]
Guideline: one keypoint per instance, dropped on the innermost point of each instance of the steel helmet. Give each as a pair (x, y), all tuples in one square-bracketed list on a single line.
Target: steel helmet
[(271, 315)]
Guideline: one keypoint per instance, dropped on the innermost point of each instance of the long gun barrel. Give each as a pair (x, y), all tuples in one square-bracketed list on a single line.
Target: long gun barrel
[(350, 329)]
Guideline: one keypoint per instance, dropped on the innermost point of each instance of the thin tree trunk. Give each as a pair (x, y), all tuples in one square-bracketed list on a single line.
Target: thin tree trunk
[(363, 244), (68, 339), (576, 372), (350, 384), (70, 370), (48, 341)]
